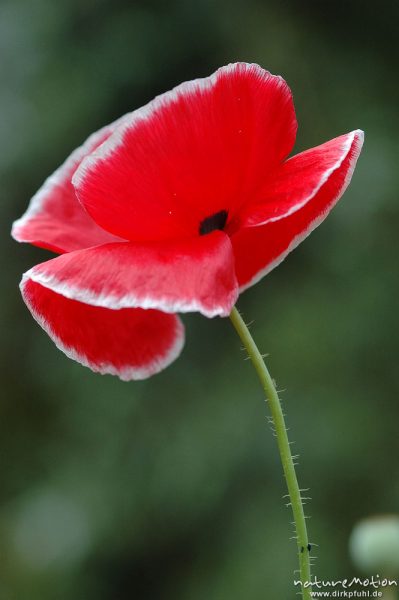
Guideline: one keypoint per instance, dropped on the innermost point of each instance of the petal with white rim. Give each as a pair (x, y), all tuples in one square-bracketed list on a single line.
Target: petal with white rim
[(260, 248), (55, 219), (202, 148), (181, 276), (299, 179), (131, 343)]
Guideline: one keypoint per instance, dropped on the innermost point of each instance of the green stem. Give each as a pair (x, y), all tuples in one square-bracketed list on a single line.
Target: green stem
[(284, 449)]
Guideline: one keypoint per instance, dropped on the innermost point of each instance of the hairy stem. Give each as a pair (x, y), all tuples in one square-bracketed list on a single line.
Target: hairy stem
[(284, 449)]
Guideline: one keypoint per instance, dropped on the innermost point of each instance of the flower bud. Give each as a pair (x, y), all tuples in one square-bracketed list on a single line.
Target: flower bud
[(374, 545)]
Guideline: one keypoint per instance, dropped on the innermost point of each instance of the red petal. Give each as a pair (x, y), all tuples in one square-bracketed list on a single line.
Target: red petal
[(259, 249), (190, 275), (192, 152), (55, 219), (299, 179), (131, 343)]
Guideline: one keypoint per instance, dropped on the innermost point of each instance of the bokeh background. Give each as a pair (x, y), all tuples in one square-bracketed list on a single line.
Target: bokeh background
[(172, 488)]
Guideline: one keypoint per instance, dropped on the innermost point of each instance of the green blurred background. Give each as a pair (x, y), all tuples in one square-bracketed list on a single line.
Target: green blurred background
[(172, 488)]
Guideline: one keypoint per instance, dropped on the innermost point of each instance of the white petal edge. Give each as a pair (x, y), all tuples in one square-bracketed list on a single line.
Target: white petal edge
[(38, 200), (110, 145), (326, 176), (163, 303), (125, 373), (316, 222)]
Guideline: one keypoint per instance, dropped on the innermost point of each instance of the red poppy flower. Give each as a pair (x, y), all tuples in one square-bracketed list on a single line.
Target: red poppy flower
[(177, 207)]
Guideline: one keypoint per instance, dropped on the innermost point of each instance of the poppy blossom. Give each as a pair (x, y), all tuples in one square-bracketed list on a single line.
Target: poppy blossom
[(176, 207)]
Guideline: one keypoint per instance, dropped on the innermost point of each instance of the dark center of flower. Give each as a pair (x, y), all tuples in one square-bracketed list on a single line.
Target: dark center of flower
[(213, 222)]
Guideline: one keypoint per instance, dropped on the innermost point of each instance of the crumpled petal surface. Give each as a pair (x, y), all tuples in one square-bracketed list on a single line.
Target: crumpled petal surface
[(183, 276)]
